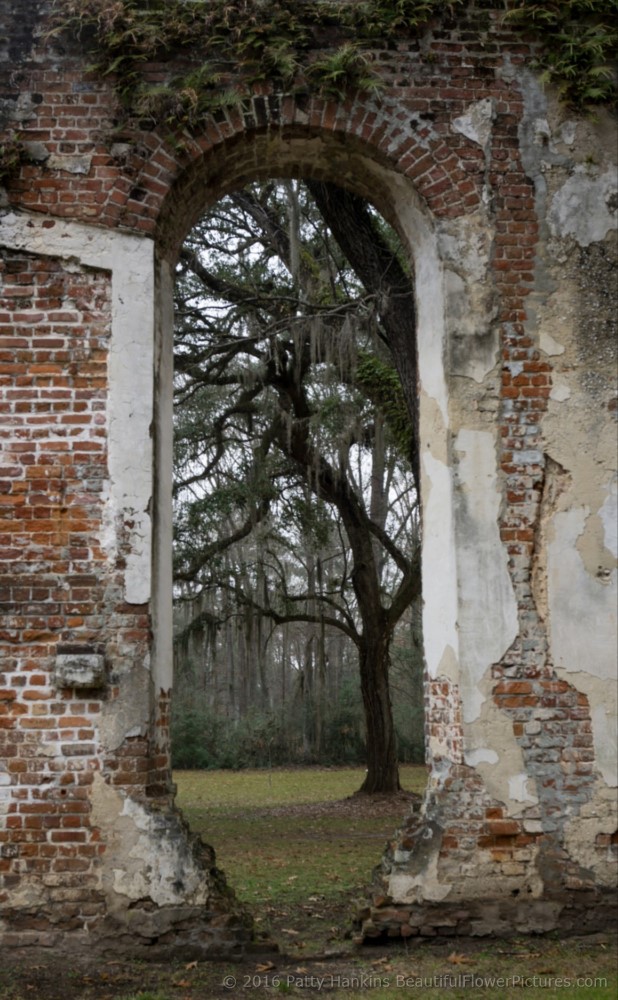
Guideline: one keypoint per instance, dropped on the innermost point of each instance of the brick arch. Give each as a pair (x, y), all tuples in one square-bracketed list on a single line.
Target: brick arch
[(166, 192)]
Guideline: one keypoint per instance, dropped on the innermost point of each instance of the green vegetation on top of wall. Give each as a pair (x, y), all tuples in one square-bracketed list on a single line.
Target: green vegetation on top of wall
[(245, 42), (579, 45), (258, 40)]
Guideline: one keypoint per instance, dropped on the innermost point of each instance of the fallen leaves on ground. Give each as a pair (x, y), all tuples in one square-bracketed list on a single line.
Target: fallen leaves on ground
[(458, 958)]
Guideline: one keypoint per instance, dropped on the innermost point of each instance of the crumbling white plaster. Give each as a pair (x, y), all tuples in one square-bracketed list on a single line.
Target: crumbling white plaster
[(440, 635), (480, 755), (430, 301), (582, 626), (425, 886), (476, 123), (549, 344), (582, 608), (585, 207), (490, 746), (488, 621), (559, 392), (121, 718), (604, 730), (70, 163), (608, 513), (129, 258), (518, 788), (142, 861), (598, 816), (469, 294)]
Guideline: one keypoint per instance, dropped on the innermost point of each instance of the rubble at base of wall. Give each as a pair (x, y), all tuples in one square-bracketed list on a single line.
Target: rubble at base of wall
[(585, 912), (185, 935)]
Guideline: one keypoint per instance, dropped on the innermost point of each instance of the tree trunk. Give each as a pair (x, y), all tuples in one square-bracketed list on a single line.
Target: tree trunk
[(380, 271), (382, 767)]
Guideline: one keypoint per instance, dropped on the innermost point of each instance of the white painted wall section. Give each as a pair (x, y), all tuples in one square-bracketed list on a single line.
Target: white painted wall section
[(440, 634), (488, 622), (582, 626)]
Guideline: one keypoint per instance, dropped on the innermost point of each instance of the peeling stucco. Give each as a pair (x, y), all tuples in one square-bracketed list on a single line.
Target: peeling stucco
[(476, 123), (492, 748), (146, 857), (488, 621), (473, 337), (425, 885), (441, 637), (582, 606), (585, 207)]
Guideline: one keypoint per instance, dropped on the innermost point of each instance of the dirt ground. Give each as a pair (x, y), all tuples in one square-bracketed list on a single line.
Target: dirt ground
[(340, 971)]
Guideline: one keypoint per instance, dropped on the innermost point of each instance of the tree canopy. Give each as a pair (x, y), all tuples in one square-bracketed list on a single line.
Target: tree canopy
[(295, 492)]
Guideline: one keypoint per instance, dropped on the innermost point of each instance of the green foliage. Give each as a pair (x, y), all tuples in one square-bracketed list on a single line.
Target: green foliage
[(381, 382), (345, 69), (384, 19), (579, 44), (248, 41), (202, 740)]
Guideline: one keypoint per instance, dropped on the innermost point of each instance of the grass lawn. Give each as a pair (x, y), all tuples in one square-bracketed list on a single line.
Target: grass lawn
[(282, 836), (298, 849)]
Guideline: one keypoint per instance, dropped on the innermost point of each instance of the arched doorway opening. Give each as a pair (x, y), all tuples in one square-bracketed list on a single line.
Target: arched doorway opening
[(296, 507), (318, 154)]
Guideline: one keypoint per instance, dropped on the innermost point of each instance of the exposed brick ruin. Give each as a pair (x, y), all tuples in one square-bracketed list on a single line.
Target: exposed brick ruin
[(478, 169)]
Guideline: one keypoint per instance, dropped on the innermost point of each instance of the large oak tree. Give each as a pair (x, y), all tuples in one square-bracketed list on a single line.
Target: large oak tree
[(294, 314)]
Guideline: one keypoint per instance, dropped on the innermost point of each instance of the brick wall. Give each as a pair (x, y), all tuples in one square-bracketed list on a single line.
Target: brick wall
[(54, 322), (64, 552)]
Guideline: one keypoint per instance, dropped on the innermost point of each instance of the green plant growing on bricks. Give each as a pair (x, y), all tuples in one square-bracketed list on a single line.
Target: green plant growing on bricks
[(243, 42), (578, 46)]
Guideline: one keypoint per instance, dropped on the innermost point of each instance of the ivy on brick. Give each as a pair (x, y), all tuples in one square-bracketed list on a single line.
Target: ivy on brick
[(241, 43), (579, 46), (244, 42), (230, 46)]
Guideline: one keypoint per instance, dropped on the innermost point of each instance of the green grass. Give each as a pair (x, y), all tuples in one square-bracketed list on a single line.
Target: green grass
[(291, 864), (275, 857), (218, 791)]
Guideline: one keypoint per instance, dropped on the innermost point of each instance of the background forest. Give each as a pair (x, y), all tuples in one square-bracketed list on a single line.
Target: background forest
[(297, 577)]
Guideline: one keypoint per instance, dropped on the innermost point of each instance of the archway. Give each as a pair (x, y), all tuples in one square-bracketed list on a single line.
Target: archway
[(490, 177), (318, 155)]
